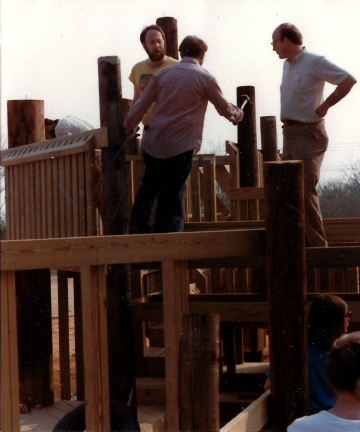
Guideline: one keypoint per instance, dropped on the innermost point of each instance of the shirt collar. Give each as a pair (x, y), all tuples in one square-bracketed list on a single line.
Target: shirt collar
[(190, 60), (298, 57)]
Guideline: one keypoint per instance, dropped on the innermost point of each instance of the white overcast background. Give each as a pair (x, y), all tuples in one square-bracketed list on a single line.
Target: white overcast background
[(50, 50)]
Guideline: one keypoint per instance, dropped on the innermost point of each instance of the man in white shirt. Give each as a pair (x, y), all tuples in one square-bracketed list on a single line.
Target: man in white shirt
[(343, 374), (303, 109)]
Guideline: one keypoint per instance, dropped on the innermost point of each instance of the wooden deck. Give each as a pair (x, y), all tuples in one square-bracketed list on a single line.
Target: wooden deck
[(150, 418)]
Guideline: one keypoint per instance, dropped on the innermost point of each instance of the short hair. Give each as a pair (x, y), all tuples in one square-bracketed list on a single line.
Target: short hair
[(148, 28), (326, 321), (192, 46), (343, 365), (289, 31)]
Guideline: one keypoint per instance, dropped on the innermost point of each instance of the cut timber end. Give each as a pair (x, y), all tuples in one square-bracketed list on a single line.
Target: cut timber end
[(109, 59)]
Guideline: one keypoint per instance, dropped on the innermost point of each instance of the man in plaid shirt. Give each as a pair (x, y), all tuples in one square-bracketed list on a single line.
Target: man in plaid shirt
[(181, 93)]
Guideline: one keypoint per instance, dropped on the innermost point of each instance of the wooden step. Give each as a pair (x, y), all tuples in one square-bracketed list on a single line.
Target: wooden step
[(154, 362)]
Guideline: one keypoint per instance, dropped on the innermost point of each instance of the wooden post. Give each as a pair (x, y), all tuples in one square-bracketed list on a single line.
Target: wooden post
[(26, 126), (63, 319), (199, 373), (175, 302), (116, 216), (169, 26), (268, 138), (286, 282)]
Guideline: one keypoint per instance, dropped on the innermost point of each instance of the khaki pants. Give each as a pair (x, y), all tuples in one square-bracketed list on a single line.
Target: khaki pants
[(308, 142)]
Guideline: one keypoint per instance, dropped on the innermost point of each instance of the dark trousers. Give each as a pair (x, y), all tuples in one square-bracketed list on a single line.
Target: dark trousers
[(164, 183)]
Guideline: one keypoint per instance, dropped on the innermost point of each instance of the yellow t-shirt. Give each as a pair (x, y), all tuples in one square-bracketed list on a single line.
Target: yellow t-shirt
[(140, 77)]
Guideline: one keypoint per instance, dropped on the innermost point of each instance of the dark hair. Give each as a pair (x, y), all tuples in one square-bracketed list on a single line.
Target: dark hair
[(289, 31), (151, 27), (50, 127), (343, 365), (192, 46), (326, 321)]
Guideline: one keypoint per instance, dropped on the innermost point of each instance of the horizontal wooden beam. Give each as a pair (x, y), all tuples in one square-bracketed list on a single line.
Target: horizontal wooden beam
[(337, 256), (251, 314), (246, 193), (125, 249), (253, 418)]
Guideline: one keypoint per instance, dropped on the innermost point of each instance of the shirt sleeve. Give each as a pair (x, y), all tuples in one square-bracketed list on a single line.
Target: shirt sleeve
[(132, 76), (329, 72), (142, 105), (222, 106)]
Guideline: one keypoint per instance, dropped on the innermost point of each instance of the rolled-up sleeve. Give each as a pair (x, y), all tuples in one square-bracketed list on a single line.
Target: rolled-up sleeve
[(222, 106)]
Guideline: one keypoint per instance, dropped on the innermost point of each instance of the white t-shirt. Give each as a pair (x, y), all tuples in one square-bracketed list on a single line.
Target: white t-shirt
[(324, 422), (71, 125)]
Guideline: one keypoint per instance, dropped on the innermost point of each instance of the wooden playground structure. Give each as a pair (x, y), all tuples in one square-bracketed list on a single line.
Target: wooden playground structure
[(239, 268)]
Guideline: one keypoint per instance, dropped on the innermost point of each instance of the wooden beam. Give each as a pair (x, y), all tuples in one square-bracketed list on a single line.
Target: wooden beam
[(286, 283), (10, 416), (96, 371), (175, 293), (63, 317), (253, 418), (247, 193), (64, 253), (198, 381)]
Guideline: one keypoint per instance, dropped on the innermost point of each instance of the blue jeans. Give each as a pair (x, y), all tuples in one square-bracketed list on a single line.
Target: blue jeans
[(164, 183)]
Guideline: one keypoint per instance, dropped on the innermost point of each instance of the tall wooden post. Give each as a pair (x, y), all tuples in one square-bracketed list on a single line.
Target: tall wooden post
[(198, 379), (116, 216), (286, 282), (33, 288), (268, 138), (169, 26)]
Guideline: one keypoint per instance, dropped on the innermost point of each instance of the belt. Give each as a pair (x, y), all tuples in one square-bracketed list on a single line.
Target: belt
[(294, 122), (146, 128)]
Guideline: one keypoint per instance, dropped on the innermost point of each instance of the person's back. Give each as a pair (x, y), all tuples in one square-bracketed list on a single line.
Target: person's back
[(343, 374)]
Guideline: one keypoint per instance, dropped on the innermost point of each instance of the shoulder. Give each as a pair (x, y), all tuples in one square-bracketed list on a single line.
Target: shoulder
[(140, 65), (170, 61), (312, 423)]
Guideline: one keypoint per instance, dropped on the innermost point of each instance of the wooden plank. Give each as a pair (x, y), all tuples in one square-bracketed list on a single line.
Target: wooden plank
[(234, 177), (253, 418), (95, 369), (49, 199), (195, 190), (207, 188), (17, 187), (79, 351), (64, 253), (64, 353), (21, 214), (222, 177), (37, 200), (9, 197), (69, 230), (175, 293), (90, 193), (43, 194), (62, 197), (26, 187), (10, 416), (82, 204), (247, 193), (56, 199)]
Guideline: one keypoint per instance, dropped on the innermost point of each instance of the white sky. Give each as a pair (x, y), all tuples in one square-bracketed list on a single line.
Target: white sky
[(50, 50)]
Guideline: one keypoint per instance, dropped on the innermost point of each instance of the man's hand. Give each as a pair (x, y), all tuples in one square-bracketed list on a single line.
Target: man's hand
[(237, 119), (128, 131), (322, 109)]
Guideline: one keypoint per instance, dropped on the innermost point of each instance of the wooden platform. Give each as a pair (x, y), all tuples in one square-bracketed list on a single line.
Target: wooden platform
[(150, 418)]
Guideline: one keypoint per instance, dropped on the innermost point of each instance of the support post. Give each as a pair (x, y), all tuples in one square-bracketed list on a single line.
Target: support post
[(286, 284), (169, 26), (116, 216), (175, 302), (199, 373), (33, 288), (268, 138)]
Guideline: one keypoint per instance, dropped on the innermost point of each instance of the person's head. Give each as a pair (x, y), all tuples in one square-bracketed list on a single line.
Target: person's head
[(152, 39), (194, 47), (328, 319), (50, 126), (343, 365), (287, 40)]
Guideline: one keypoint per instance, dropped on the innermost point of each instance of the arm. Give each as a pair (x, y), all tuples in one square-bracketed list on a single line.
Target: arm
[(141, 105), (340, 92), (222, 106)]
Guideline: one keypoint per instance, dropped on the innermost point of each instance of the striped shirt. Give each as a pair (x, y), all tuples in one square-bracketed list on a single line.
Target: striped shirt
[(303, 83), (181, 93)]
